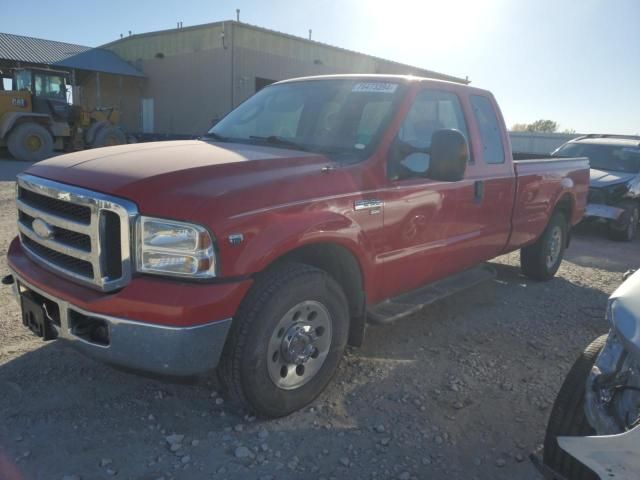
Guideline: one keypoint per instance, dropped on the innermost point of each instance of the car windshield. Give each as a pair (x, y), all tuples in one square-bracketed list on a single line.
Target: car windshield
[(618, 158), (337, 116)]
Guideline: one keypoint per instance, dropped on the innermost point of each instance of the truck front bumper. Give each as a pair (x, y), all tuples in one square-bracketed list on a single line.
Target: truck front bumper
[(179, 343)]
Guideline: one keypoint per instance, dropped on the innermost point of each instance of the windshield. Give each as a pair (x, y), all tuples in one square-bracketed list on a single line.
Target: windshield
[(52, 86), (22, 80), (344, 116), (618, 158)]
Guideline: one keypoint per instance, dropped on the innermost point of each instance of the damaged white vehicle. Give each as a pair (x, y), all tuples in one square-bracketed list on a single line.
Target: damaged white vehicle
[(594, 427)]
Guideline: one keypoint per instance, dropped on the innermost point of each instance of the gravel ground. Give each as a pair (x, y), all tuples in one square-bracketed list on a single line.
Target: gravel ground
[(461, 390)]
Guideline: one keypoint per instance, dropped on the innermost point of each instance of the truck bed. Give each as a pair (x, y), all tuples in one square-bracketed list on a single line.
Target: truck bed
[(517, 156), (542, 181)]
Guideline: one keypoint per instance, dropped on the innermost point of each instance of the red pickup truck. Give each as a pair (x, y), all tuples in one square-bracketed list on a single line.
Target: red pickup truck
[(263, 248)]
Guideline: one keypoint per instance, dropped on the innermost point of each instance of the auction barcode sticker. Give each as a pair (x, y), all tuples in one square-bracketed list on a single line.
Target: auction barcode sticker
[(379, 87)]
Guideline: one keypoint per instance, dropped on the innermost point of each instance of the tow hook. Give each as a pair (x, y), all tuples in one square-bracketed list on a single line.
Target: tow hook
[(8, 280)]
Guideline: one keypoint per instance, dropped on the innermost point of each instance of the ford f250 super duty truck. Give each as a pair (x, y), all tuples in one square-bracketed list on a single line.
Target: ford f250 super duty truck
[(264, 247)]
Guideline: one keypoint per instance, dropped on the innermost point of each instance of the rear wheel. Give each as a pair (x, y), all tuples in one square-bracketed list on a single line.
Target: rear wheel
[(568, 418), (286, 341), (626, 229), (109, 136), (30, 142), (542, 260)]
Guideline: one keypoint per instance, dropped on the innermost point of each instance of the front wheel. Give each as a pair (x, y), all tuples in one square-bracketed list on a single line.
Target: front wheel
[(109, 136), (286, 341), (30, 142), (568, 418), (542, 259)]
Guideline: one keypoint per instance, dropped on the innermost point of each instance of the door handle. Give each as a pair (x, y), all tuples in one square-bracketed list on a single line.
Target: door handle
[(478, 191)]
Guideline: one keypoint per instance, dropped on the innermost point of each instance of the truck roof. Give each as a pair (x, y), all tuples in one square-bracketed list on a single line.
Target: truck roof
[(389, 77)]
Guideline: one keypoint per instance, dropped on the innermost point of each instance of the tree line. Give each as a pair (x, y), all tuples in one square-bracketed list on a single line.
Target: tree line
[(540, 126)]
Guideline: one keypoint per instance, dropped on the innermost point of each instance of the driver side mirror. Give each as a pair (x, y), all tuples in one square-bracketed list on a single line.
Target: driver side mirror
[(449, 155)]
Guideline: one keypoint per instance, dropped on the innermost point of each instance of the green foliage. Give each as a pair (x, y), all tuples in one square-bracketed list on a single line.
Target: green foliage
[(542, 126)]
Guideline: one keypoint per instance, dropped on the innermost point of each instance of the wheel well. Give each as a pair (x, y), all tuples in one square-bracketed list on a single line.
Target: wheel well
[(565, 205), (343, 266), (22, 120)]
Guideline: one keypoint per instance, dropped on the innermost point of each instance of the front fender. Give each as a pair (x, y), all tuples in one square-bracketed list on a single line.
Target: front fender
[(9, 119), (275, 234)]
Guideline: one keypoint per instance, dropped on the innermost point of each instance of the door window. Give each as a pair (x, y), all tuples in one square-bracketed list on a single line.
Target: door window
[(431, 110), (23, 81), (490, 131)]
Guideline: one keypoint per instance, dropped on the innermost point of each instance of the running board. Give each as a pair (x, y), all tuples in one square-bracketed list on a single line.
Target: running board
[(412, 302)]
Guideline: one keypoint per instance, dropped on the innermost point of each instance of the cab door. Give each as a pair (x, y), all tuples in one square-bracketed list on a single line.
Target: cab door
[(420, 214), (486, 194)]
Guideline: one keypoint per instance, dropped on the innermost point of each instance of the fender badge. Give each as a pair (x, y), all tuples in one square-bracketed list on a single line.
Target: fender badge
[(236, 239)]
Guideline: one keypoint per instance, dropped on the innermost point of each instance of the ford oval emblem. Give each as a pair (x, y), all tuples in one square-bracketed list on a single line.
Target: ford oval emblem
[(43, 229)]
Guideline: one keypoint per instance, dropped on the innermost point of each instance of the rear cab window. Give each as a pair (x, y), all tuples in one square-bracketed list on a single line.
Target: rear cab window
[(489, 128)]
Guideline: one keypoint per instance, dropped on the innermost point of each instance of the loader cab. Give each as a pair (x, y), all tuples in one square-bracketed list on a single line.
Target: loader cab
[(48, 90)]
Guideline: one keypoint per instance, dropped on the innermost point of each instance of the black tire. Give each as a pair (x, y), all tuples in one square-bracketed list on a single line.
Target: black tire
[(244, 369), (533, 258), (626, 229), (30, 142), (568, 418), (109, 136)]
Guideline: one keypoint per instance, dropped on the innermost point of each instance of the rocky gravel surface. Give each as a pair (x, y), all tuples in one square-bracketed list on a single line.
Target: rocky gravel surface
[(461, 390)]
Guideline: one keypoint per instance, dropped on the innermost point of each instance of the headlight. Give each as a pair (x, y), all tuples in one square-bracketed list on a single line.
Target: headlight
[(167, 247)]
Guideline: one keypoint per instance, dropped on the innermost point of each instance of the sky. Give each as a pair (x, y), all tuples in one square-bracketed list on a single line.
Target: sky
[(574, 62)]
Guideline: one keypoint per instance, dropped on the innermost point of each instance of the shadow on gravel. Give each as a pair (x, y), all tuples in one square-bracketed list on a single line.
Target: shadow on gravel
[(591, 247), (445, 373)]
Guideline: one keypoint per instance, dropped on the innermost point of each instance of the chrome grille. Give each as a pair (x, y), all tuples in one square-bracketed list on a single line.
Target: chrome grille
[(87, 234)]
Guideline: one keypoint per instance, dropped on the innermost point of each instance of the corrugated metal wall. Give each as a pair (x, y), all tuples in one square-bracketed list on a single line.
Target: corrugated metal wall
[(188, 77), (168, 42), (259, 53)]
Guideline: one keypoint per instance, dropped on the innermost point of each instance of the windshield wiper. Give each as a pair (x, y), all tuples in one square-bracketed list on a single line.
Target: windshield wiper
[(276, 140), (215, 136)]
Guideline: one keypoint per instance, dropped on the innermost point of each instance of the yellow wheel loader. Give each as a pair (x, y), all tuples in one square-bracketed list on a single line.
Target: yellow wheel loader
[(36, 118)]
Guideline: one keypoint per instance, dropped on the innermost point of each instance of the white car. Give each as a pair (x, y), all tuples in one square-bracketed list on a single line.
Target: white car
[(594, 427)]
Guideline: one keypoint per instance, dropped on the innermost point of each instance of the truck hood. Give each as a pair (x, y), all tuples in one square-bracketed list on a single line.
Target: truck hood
[(605, 178), (172, 179)]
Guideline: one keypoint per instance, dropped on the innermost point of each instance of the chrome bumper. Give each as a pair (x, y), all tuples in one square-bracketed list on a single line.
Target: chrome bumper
[(176, 351)]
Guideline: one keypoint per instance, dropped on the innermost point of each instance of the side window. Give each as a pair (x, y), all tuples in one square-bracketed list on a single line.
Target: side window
[(431, 110), (490, 132), (373, 114)]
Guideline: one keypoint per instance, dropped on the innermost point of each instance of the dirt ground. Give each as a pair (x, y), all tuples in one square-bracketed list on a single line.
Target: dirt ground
[(461, 390)]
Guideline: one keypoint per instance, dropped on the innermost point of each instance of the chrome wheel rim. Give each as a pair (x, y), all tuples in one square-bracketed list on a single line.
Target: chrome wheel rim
[(299, 345), (555, 246)]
